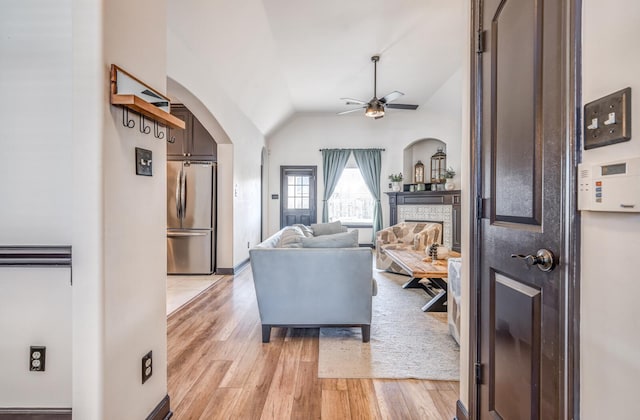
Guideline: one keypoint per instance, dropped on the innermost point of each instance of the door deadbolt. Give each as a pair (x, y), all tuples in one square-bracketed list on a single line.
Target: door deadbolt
[(544, 259)]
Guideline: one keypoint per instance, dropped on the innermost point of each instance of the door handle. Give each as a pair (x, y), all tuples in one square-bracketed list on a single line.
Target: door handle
[(544, 259)]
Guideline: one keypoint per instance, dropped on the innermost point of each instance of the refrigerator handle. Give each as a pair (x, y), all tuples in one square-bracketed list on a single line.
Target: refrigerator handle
[(183, 194), (178, 195)]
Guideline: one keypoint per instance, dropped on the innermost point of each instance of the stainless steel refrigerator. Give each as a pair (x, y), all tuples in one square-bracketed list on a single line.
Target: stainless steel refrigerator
[(191, 217)]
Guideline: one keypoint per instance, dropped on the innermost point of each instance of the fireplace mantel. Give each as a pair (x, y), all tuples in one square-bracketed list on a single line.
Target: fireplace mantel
[(428, 198)]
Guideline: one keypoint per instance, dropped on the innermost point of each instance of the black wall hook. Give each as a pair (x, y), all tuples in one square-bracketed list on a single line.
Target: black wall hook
[(126, 121), (157, 130), (145, 129)]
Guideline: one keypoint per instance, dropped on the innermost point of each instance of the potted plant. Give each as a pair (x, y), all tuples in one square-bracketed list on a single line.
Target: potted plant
[(396, 180), (448, 175)]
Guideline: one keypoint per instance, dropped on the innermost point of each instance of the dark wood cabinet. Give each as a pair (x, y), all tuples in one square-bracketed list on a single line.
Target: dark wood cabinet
[(194, 142)]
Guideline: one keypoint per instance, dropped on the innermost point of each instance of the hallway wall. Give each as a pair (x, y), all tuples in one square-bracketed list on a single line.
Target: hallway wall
[(609, 288), (35, 198)]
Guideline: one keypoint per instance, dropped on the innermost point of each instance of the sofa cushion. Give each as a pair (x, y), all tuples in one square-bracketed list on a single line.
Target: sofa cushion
[(306, 230), (336, 240), (320, 229), (291, 237)]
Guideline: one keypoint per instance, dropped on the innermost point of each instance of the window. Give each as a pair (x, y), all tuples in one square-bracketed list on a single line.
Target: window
[(351, 201), (298, 192)]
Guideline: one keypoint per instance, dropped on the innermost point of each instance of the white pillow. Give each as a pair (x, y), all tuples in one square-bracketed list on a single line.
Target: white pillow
[(291, 237)]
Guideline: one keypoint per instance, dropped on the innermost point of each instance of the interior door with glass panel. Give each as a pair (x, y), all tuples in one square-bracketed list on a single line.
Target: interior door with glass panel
[(297, 195)]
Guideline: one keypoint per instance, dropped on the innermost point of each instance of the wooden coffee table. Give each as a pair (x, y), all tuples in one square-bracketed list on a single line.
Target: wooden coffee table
[(435, 273)]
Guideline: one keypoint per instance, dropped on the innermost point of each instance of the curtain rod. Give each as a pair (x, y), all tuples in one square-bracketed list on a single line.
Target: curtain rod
[(382, 150)]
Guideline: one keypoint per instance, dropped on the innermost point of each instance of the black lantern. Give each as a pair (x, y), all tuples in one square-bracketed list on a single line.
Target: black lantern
[(438, 166), (418, 173)]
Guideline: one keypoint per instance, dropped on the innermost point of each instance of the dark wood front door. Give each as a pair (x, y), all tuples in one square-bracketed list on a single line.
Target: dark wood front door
[(297, 195), (524, 165)]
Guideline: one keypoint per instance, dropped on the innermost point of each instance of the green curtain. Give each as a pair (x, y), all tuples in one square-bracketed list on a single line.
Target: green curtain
[(368, 161), (333, 163)]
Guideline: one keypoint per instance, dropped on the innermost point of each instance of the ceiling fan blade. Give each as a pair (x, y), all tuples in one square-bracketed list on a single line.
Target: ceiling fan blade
[(351, 101), (377, 118), (401, 106), (351, 110), (391, 97)]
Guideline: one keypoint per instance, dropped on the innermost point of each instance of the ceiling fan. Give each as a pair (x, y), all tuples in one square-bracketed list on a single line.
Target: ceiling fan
[(375, 107)]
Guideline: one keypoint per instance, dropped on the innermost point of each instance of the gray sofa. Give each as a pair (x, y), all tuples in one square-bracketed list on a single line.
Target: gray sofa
[(312, 287)]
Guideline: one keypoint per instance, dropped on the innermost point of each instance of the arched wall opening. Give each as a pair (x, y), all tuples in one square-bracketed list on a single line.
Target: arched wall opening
[(224, 191)]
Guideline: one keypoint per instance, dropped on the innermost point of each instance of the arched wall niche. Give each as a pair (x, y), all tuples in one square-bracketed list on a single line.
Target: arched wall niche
[(420, 150)]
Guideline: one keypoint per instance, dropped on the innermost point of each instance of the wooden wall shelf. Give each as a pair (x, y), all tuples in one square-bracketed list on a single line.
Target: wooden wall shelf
[(145, 108), (130, 92)]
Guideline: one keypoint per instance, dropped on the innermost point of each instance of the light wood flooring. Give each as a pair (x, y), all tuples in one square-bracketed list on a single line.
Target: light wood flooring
[(218, 368)]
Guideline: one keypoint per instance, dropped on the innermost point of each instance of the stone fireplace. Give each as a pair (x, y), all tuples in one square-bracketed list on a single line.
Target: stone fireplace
[(429, 213)]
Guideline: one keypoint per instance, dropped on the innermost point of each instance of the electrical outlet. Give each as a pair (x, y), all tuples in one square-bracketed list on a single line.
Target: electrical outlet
[(37, 358), (147, 366)]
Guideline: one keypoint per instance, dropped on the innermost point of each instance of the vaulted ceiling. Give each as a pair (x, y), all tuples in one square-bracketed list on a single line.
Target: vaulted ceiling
[(276, 57)]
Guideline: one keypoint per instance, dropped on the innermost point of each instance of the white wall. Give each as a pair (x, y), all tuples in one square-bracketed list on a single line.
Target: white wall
[(134, 219), (35, 311), (609, 343), (464, 176), (89, 99), (298, 141), (36, 191)]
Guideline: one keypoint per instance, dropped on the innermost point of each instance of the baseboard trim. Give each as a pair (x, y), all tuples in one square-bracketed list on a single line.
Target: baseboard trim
[(238, 268), (16, 413), (162, 410), (461, 411), (235, 270)]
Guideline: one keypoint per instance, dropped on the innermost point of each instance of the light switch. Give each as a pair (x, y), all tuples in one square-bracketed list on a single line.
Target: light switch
[(143, 162), (611, 119), (608, 120)]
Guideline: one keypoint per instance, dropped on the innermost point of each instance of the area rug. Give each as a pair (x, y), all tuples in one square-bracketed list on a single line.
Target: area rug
[(405, 342)]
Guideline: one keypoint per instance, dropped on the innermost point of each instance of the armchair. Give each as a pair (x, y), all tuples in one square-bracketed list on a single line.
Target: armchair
[(408, 235)]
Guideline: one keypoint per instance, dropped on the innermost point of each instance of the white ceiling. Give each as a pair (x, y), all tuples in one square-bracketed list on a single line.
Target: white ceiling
[(276, 57)]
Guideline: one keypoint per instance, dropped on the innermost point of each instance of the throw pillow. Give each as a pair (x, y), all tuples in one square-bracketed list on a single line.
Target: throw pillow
[(291, 237), (320, 229), (336, 240), (306, 230)]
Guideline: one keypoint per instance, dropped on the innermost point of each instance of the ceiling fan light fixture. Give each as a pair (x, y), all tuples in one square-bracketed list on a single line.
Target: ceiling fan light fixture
[(374, 110)]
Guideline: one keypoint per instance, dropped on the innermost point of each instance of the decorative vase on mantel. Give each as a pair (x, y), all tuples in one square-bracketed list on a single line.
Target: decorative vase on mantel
[(448, 175), (396, 186)]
